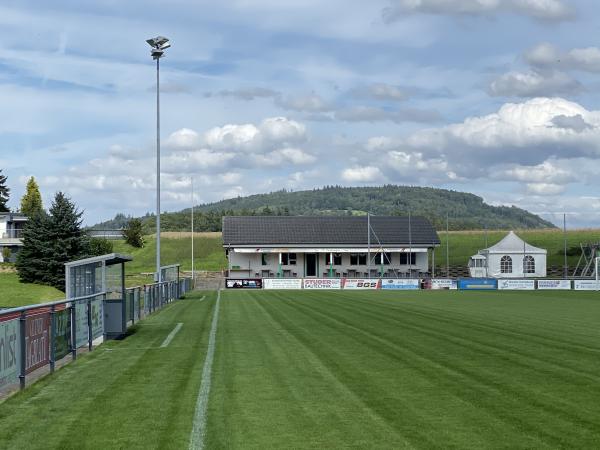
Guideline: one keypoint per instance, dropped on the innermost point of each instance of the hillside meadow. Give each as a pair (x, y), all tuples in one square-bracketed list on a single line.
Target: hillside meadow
[(209, 254)]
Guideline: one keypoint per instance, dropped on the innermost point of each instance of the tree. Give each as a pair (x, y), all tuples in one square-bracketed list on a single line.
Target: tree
[(51, 240), (133, 233), (99, 247), (4, 193), (31, 203)]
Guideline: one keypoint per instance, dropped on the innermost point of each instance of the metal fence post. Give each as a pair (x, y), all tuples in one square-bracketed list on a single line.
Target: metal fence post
[(52, 337), (22, 327), (73, 331), (89, 323)]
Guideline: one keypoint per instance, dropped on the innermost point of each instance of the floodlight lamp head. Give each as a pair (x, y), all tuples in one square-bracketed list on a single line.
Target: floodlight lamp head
[(156, 53), (158, 42)]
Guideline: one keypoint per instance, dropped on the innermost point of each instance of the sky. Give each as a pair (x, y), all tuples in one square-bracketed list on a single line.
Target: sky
[(500, 98)]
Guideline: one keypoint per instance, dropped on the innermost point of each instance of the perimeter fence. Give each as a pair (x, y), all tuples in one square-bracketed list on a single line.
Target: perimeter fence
[(35, 339)]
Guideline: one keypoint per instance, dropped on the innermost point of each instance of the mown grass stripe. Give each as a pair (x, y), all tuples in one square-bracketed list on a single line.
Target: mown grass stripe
[(199, 425), (171, 335)]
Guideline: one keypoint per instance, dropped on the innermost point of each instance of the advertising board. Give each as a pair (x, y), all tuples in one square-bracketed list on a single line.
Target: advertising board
[(9, 352), (282, 283), (37, 341), (361, 283), (81, 324), (517, 285), (62, 337), (403, 283), (243, 283), (586, 285), (554, 284), (322, 283), (97, 306), (444, 283), (478, 284)]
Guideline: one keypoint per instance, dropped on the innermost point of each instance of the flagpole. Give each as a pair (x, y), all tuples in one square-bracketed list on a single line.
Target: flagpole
[(368, 245)]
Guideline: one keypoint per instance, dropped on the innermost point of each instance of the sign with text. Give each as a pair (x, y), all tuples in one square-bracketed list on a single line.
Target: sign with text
[(322, 283), (62, 337), (37, 341), (586, 285), (517, 285), (390, 283), (478, 284), (444, 283), (97, 306), (360, 283), (81, 324), (282, 283), (554, 284), (244, 283), (9, 352)]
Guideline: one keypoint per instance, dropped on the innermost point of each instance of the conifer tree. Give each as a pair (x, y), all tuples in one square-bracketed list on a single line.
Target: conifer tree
[(34, 257), (4, 193), (133, 233), (31, 203), (51, 240)]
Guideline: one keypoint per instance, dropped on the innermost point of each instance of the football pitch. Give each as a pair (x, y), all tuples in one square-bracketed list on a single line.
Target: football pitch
[(344, 369)]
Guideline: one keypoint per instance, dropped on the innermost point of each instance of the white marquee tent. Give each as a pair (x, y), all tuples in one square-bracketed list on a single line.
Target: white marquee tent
[(512, 257)]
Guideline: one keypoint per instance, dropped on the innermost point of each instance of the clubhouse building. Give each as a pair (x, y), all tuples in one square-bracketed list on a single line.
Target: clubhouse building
[(323, 247)]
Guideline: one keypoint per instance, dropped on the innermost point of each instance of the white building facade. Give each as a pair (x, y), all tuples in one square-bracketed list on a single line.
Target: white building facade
[(11, 229), (512, 257), (323, 247)]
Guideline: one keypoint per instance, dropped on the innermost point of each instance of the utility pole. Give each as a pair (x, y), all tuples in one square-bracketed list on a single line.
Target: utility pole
[(193, 277), (447, 247)]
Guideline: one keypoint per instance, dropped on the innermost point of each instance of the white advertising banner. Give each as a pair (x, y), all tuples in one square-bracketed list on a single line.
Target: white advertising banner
[(444, 283), (517, 285), (322, 283), (554, 284), (9, 352), (282, 283), (402, 283), (586, 285), (360, 283)]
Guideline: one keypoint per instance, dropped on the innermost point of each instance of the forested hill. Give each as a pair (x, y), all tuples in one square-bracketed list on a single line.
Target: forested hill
[(465, 211)]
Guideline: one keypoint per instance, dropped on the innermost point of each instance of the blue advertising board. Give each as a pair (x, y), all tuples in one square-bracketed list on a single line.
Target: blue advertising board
[(390, 283), (477, 284)]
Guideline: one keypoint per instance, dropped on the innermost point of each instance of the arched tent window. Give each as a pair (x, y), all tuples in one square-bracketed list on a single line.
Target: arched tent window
[(506, 264), (528, 264)]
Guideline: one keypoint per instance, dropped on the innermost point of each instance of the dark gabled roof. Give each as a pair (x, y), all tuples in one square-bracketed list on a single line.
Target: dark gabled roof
[(286, 230)]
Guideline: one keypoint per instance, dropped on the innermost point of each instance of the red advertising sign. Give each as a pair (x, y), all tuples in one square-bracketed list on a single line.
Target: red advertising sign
[(37, 341)]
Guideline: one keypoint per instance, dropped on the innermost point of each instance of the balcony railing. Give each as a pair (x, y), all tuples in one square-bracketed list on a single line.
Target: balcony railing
[(12, 234)]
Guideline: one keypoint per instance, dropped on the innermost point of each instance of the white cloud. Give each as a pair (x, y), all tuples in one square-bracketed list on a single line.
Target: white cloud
[(545, 188), (381, 91), (534, 84), (233, 137), (547, 172), (283, 130), (549, 56), (183, 138), (362, 174), (547, 10), (519, 132)]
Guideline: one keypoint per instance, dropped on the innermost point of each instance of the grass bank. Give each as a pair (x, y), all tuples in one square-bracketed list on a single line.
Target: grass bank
[(14, 293)]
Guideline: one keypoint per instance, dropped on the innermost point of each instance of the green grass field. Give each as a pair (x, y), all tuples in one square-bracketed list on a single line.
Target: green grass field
[(14, 293), (346, 369)]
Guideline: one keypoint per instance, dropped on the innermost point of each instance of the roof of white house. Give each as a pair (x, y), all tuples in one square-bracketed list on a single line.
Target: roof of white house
[(513, 244)]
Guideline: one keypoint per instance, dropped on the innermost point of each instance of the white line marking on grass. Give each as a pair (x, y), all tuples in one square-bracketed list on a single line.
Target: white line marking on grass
[(199, 426), (171, 335)]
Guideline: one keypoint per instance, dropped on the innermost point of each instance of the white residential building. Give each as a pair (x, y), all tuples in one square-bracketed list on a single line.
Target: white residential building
[(11, 228)]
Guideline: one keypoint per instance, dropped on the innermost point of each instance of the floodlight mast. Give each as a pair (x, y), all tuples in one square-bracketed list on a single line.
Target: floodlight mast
[(159, 44)]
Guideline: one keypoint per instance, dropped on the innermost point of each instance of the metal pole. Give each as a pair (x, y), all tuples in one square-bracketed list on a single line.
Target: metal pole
[(158, 276), (409, 246), (52, 337), (368, 245), (73, 331), (447, 248), (565, 267), (89, 324), (22, 331), (193, 278)]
